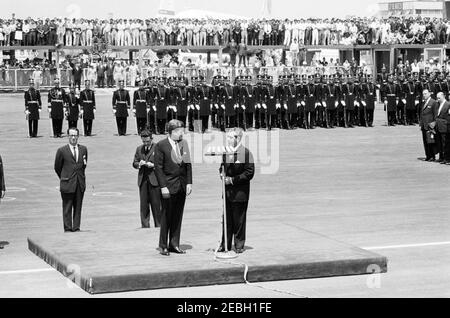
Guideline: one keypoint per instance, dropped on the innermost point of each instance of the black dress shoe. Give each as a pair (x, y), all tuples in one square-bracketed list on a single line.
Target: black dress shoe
[(165, 252), (431, 160), (176, 250), (221, 249), (239, 250)]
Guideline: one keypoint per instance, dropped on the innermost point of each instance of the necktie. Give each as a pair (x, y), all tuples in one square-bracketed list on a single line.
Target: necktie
[(179, 157), (75, 153)]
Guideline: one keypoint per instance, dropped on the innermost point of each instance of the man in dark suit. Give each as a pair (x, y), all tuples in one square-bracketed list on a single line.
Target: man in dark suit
[(427, 123), (239, 170), (77, 73), (70, 165), (2, 180), (174, 173), (149, 190), (101, 70), (442, 119)]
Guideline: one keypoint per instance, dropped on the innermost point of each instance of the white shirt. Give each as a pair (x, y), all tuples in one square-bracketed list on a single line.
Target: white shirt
[(76, 153), (175, 147), (440, 107)]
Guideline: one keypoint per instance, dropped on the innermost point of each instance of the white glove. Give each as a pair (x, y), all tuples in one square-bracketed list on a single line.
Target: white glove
[(303, 103), (278, 105), (258, 105), (336, 104), (27, 112), (95, 110), (49, 109), (364, 103), (216, 106), (404, 101), (343, 103), (285, 106), (243, 107), (324, 104), (134, 110), (223, 106), (39, 110), (114, 111), (174, 109), (385, 102), (356, 103), (416, 102), (396, 102), (236, 106), (197, 106), (298, 104), (264, 106), (154, 108)]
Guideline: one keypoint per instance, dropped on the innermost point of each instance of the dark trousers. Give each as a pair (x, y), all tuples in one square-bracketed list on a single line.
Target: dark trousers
[(370, 117), (310, 119), (57, 127), (236, 224), (161, 126), (121, 125), (391, 118), (350, 118), (447, 147), (101, 81), (72, 203), (151, 123), (429, 148), (171, 218), (110, 81), (205, 120), (73, 123), (87, 125), (150, 195), (410, 116), (33, 127), (440, 144), (249, 119), (141, 123)]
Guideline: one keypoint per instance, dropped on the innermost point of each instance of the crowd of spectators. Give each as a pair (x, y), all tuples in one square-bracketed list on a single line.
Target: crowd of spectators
[(201, 32)]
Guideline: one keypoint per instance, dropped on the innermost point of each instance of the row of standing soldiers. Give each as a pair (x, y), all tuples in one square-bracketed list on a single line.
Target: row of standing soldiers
[(296, 101), (402, 94)]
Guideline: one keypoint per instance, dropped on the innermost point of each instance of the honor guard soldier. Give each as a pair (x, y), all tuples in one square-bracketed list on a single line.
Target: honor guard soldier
[(121, 105), (418, 88), (357, 119), (56, 99), (331, 96), (272, 103), (430, 86), (310, 103), (72, 109), (33, 106), (249, 95), (229, 98), (239, 86), (204, 100), (141, 107), (444, 85), (151, 85), (217, 87), (390, 100), (88, 107), (162, 98), (410, 97), (194, 109), (182, 100), (172, 100), (351, 99), (301, 83), (368, 91), (401, 106), (320, 105)]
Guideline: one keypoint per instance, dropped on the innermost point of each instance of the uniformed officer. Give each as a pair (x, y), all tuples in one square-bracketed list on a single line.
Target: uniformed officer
[(310, 103), (204, 100), (88, 107), (162, 98), (368, 91), (141, 107), (56, 100), (390, 100), (33, 106), (121, 105), (72, 109), (410, 97), (331, 95), (401, 106)]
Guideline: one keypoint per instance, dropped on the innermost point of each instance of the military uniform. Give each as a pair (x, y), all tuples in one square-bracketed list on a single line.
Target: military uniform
[(72, 109), (88, 109), (33, 106), (141, 108), (56, 100), (121, 105)]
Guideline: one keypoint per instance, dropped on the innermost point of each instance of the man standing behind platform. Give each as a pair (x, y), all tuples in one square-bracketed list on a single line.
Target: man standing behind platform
[(70, 165), (174, 173), (239, 170), (427, 123), (149, 190)]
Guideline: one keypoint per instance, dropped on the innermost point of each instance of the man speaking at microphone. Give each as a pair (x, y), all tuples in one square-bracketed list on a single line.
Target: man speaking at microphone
[(174, 173), (239, 170)]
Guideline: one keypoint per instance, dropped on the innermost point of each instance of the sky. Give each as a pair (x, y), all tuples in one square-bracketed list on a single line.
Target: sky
[(147, 8)]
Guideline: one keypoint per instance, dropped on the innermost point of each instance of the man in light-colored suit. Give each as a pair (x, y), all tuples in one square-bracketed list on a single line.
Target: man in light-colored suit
[(70, 165)]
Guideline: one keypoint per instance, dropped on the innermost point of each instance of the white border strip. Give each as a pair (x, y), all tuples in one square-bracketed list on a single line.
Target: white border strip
[(405, 245), (27, 271)]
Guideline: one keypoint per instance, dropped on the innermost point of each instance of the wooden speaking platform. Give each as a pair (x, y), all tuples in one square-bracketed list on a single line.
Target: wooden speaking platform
[(128, 260)]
